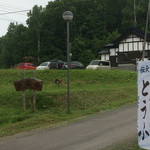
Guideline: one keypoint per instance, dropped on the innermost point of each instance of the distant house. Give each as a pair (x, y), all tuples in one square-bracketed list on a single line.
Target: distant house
[(126, 49)]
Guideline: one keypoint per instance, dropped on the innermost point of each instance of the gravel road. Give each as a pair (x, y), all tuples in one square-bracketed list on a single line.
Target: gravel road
[(91, 133)]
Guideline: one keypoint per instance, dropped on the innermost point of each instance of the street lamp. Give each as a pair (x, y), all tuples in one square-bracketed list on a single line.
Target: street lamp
[(68, 16)]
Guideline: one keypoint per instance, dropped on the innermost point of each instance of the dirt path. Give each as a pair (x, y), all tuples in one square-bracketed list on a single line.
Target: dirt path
[(92, 133)]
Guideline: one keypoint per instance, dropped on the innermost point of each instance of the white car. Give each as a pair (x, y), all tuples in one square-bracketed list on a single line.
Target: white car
[(44, 65), (99, 64)]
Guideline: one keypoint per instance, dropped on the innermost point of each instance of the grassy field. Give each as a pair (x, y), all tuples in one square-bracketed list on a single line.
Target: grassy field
[(91, 91)]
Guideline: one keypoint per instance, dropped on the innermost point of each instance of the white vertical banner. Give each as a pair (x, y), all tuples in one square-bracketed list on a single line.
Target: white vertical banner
[(143, 119)]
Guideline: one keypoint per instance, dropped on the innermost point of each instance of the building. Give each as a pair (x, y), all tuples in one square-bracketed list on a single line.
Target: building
[(126, 49)]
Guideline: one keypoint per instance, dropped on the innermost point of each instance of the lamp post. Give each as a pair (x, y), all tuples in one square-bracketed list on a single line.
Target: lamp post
[(68, 16)]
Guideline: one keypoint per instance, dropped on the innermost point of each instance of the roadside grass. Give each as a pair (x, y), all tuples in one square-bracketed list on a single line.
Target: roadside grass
[(130, 144), (91, 91)]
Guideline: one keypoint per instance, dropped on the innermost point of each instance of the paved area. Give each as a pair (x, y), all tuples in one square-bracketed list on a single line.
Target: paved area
[(92, 133)]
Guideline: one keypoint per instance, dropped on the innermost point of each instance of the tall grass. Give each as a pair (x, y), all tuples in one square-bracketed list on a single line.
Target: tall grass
[(91, 91)]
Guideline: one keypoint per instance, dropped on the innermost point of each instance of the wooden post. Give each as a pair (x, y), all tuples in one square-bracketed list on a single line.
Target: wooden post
[(34, 100), (23, 94), (34, 94), (23, 101), (34, 74)]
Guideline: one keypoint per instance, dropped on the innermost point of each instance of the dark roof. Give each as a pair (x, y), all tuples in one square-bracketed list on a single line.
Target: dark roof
[(129, 31), (103, 51), (110, 45)]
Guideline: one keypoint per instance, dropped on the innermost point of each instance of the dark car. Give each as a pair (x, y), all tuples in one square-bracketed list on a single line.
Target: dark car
[(26, 66), (56, 64), (74, 65)]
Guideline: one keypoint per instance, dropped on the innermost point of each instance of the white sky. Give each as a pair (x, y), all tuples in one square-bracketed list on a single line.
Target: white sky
[(7, 6)]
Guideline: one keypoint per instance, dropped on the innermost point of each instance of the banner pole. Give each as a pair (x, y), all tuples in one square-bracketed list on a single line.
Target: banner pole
[(145, 36)]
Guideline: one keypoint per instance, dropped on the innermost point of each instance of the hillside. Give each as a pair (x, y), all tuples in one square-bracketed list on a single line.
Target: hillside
[(91, 91)]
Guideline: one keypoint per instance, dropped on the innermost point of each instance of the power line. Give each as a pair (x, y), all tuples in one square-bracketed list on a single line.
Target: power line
[(11, 8), (4, 11), (9, 5), (13, 12), (6, 8)]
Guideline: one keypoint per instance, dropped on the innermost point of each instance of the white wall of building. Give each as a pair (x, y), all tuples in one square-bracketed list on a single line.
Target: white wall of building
[(113, 51), (104, 57)]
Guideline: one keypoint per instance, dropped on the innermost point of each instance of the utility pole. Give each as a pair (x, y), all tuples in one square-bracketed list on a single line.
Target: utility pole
[(145, 36)]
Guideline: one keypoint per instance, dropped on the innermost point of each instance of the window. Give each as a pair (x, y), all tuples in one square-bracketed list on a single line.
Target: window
[(146, 53), (116, 59)]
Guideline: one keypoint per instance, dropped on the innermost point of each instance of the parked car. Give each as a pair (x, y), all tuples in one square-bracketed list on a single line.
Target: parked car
[(43, 66), (99, 64), (74, 65), (56, 64), (26, 66)]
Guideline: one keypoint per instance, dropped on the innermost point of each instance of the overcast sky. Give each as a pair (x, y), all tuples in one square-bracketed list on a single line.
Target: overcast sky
[(8, 6)]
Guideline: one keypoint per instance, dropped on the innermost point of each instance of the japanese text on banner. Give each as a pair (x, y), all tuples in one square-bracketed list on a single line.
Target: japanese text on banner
[(143, 120)]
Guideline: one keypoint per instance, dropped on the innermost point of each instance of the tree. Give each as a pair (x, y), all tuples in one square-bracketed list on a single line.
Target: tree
[(35, 24), (134, 13), (80, 51), (95, 23)]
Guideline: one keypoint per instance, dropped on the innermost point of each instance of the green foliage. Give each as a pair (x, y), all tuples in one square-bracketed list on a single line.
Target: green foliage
[(13, 46), (95, 23), (80, 50)]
